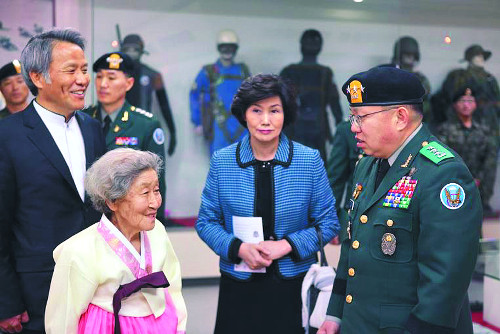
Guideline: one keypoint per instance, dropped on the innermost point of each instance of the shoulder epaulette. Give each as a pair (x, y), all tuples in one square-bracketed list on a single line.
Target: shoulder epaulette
[(141, 111), (435, 152)]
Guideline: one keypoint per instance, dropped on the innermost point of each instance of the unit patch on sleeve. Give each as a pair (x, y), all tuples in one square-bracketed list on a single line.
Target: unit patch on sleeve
[(159, 136), (452, 196)]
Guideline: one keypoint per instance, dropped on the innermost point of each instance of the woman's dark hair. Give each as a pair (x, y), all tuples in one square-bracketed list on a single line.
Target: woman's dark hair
[(263, 86)]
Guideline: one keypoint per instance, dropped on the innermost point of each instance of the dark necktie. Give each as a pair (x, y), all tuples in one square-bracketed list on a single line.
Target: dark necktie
[(107, 122), (383, 167)]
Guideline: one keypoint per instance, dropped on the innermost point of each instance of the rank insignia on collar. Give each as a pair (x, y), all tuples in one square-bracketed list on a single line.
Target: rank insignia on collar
[(407, 161), (125, 116), (401, 193), (116, 129)]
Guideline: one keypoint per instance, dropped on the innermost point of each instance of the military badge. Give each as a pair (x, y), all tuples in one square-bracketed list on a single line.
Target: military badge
[(388, 244), (114, 61), (401, 193), (159, 136), (126, 141), (355, 89), (452, 196), (144, 80), (357, 190), (17, 66)]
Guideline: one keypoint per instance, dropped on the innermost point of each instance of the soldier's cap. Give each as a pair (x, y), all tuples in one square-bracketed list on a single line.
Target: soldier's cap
[(475, 50), (115, 61), (383, 86), (463, 91), (10, 69)]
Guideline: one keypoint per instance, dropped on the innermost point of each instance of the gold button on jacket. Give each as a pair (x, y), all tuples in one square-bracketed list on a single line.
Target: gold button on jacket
[(348, 299), (355, 244), (363, 219)]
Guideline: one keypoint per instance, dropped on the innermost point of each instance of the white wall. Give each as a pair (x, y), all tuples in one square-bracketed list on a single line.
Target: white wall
[(179, 44)]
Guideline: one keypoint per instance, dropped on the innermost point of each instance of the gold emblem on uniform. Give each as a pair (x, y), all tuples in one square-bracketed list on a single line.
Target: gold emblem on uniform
[(125, 116), (114, 61), (388, 244), (17, 65), (116, 129), (407, 161), (357, 190), (356, 89)]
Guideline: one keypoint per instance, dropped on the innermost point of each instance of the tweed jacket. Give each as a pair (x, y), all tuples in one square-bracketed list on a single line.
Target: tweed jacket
[(302, 200)]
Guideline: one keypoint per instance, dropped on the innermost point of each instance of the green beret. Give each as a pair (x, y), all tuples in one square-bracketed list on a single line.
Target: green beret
[(115, 61), (383, 86), (10, 69)]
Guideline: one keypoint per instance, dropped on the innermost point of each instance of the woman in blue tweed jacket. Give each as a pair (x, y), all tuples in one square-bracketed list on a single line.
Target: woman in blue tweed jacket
[(265, 175)]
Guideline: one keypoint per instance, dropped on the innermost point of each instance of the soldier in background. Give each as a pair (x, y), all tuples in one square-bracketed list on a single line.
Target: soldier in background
[(147, 81), (406, 55), (484, 85), (316, 90), (13, 88), (473, 141), (125, 125), (212, 94)]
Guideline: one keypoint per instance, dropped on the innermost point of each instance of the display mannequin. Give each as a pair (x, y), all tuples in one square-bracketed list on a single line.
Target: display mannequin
[(212, 94), (316, 91), (147, 81), (406, 56)]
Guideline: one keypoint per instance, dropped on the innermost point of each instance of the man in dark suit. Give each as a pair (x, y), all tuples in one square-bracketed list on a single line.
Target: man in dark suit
[(44, 153)]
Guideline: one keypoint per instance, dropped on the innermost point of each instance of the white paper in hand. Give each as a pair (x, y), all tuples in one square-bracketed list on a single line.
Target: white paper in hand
[(248, 229)]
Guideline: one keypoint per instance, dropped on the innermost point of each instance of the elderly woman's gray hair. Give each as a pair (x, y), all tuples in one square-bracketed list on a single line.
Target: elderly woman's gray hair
[(37, 54), (111, 176)]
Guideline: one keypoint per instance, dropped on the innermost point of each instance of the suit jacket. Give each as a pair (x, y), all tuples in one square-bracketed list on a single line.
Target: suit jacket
[(302, 199), (137, 129), (39, 208), (422, 285)]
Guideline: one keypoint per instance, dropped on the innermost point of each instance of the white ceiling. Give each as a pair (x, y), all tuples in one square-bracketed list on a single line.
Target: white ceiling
[(463, 13)]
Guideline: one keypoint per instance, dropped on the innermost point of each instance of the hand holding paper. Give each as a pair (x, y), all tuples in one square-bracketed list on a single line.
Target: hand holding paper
[(249, 230)]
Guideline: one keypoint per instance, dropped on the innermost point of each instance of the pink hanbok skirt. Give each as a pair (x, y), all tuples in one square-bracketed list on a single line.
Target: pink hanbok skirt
[(97, 320)]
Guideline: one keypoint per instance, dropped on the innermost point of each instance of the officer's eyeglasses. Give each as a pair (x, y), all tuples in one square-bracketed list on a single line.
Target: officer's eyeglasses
[(356, 119)]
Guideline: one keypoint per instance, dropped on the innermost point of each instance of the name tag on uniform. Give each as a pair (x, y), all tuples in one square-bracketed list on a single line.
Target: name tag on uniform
[(126, 141)]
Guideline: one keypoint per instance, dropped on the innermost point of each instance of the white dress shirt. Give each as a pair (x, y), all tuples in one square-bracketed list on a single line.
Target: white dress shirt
[(69, 140)]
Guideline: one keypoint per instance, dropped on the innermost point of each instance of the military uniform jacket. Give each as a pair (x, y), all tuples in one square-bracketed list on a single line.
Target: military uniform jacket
[(137, 129), (422, 286)]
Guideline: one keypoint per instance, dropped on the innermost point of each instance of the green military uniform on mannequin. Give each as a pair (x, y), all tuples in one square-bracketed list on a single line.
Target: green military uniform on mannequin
[(411, 243), (137, 129), (340, 168)]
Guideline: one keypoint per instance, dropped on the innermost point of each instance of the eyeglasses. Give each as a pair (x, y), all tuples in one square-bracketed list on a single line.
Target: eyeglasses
[(356, 119)]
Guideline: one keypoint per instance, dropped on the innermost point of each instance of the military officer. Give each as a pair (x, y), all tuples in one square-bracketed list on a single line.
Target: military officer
[(414, 218), (13, 88), (123, 124)]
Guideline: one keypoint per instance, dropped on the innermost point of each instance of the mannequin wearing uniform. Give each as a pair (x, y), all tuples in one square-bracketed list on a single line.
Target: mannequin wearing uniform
[(147, 81), (212, 94), (316, 90)]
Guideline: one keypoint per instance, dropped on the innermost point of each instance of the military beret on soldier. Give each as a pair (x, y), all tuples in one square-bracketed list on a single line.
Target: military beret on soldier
[(463, 91), (10, 69), (115, 61), (383, 86)]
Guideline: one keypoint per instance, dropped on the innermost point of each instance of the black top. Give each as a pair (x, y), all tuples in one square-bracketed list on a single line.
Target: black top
[(264, 197)]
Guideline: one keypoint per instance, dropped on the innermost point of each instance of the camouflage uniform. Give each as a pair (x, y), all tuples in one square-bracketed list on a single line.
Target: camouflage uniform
[(486, 91), (476, 147)]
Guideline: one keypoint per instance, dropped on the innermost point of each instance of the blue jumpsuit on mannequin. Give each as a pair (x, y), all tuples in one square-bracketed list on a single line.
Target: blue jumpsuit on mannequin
[(212, 94)]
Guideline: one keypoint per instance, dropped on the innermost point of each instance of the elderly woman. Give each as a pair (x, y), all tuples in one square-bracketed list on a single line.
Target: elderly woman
[(265, 175), (127, 250)]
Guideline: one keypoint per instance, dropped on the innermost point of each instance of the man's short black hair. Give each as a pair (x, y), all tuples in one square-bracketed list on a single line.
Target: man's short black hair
[(263, 86)]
